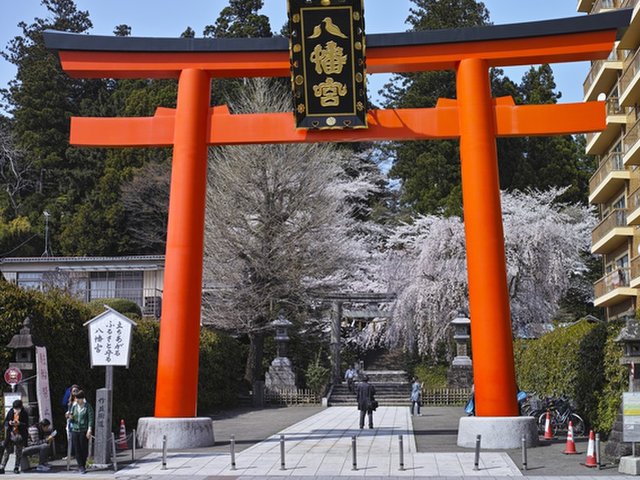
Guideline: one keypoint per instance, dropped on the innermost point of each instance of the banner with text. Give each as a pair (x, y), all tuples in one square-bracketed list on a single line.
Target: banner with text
[(42, 384)]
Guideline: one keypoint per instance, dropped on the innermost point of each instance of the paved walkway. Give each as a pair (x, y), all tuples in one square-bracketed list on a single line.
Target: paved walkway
[(321, 446), (318, 445)]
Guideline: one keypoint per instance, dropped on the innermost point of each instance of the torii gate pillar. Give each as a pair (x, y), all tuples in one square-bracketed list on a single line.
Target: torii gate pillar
[(491, 337), (180, 324)]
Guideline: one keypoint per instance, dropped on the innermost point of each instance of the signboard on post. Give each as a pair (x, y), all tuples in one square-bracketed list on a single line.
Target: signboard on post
[(110, 339), (328, 65), (43, 394), (110, 346), (13, 376), (631, 417)]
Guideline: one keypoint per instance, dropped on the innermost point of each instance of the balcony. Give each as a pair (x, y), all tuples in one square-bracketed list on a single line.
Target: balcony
[(608, 179), (603, 74), (611, 232), (584, 6), (598, 143), (634, 281), (631, 37), (148, 299), (631, 146), (633, 207), (614, 288), (603, 5), (630, 81)]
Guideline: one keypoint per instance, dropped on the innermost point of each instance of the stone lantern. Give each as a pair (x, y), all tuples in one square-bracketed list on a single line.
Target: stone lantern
[(280, 375), (24, 346), (460, 373)]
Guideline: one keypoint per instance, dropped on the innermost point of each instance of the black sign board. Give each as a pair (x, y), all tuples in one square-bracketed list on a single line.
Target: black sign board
[(328, 68)]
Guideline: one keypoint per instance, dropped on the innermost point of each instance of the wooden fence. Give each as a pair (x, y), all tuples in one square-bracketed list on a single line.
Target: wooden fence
[(443, 397), (291, 397)]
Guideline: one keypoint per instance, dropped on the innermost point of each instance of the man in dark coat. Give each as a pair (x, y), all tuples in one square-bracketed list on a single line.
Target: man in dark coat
[(366, 397), (16, 425)]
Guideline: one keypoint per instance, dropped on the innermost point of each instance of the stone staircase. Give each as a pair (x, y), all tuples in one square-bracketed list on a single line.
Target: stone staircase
[(392, 389)]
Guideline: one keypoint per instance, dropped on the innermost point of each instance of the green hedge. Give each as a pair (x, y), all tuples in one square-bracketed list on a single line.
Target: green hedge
[(125, 306), (57, 323), (581, 361)]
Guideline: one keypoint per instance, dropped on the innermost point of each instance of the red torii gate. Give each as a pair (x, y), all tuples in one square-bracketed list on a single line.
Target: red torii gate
[(475, 117)]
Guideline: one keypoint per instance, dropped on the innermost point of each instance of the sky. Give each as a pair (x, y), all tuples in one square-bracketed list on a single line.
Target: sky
[(169, 18)]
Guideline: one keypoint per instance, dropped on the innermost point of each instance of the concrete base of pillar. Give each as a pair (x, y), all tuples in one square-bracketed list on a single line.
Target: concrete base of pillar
[(629, 465), (181, 432), (497, 432)]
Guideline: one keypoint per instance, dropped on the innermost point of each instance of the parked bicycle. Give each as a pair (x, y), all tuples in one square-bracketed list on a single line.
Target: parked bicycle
[(562, 411)]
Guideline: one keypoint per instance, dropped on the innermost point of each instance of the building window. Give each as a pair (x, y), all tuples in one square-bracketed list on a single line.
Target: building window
[(30, 280), (116, 285)]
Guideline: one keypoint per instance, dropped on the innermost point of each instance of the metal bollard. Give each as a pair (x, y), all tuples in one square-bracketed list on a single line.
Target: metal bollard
[(401, 453), (282, 467), (476, 462), (598, 451), (233, 452), (354, 461), (164, 452), (524, 452), (134, 440), (113, 452)]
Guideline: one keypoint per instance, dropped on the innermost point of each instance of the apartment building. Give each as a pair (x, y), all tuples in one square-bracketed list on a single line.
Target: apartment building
[(615, 187)]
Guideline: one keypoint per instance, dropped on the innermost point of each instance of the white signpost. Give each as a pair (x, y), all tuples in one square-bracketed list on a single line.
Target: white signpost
[(631, 417), (110, 346)]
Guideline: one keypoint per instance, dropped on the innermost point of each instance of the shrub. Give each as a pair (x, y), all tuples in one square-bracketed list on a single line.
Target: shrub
[(126, 307), (317, 375), (579, 361), (57, 323), (432, 376)]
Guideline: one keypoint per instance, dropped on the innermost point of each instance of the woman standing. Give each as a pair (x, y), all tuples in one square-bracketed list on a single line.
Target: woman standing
[(81, 416), (416, 396)]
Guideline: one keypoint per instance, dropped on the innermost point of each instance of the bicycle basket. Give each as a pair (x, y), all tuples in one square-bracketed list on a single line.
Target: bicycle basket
[(535, 404)]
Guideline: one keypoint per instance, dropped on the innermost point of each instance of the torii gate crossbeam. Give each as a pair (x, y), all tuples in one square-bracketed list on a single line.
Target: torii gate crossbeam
[(474, 117)]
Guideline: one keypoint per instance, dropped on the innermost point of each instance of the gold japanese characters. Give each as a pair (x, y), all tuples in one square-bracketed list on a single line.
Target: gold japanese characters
[(328, 66)]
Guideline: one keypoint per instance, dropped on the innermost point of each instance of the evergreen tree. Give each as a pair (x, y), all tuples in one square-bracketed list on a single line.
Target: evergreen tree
[(41, 99), (430, 171), (240, 19)]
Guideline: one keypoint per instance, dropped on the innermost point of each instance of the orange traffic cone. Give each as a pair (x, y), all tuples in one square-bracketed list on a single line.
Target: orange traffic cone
[(548, 434), (591, 451), (122, 438), (570, 448)]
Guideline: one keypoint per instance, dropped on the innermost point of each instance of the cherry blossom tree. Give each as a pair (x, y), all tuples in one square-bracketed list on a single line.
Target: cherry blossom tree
[(545, 244)]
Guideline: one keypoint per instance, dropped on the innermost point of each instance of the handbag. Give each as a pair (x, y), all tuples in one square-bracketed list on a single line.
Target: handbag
[(373, 405)]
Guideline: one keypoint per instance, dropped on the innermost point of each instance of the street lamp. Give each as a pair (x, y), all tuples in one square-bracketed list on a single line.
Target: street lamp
[(46, 234)]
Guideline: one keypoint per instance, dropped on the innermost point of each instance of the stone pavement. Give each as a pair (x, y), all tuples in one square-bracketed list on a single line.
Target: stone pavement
[(318, 445)]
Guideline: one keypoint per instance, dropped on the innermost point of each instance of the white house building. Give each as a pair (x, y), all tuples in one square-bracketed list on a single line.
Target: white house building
[(138, 278)]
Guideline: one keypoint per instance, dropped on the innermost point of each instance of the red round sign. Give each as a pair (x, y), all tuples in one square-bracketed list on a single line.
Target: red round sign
[(12, 376)]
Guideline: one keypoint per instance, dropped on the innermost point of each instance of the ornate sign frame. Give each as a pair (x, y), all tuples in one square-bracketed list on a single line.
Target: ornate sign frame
[(328, 63)]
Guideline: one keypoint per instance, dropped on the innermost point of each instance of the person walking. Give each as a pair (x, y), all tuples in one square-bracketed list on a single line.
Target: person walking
[(15, 428), (366, 400), (416, 396), (81, 417), (350, 376)]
